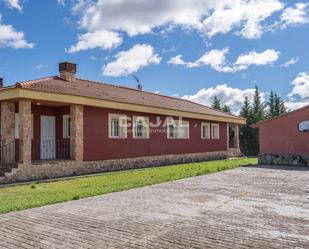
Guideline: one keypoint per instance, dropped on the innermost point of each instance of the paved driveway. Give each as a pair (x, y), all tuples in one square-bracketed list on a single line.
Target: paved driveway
[(241, 208)]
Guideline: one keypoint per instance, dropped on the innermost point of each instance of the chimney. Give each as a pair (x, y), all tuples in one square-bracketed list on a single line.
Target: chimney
[(1, 82), (67, 71)]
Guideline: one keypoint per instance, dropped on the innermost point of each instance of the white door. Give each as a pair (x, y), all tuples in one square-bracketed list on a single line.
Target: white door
[(48, 137)]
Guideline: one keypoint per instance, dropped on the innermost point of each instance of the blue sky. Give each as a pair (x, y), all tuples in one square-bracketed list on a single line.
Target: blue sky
[(191, 49)]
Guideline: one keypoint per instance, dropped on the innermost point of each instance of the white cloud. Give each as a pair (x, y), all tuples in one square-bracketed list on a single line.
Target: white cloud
[(14, 4), (39, 66), (300, 87), (216, 59), (135, 17), (290, 62), (11, 38), (299, 95), (299, 14), (248, 16), (102, 39), (269, 56), (295, 105), (61, 2), (233, 97), (128, 62), (177, 60)]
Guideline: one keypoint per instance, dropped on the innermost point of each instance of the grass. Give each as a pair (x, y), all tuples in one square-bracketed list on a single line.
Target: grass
[(35, 195)]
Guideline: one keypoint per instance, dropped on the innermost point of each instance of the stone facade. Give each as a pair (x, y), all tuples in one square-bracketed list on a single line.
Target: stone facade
[(56, 169), (77, 132), (25, 132), (7, 128), (7, 122), (293, 160)]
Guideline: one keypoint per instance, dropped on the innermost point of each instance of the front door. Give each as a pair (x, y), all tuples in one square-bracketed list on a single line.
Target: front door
[(48, 137)]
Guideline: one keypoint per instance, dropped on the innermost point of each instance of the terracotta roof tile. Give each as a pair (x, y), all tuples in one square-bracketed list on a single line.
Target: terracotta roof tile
[(98, 90)]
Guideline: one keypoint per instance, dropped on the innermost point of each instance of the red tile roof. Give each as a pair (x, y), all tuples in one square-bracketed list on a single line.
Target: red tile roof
[(98, 90)]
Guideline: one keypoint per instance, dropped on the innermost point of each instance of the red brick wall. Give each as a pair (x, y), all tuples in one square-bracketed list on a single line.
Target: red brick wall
[(97, 145), (281, 136)]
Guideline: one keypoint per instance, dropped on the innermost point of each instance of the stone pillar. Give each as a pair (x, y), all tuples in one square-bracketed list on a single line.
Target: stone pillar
[(8, 131), (77, 132), (25, 132)]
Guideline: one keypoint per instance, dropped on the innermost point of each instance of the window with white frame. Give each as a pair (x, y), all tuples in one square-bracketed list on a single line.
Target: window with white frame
[(205, 131), (66, 126), (215, 131), (140, 127), (17, 123), (183, 129), (117, 126), (177, 129)]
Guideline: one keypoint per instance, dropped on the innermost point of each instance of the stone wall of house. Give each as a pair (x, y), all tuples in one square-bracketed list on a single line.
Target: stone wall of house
[(56, 169), (7, 129), (77, 132), (294, 160), (25, 132)]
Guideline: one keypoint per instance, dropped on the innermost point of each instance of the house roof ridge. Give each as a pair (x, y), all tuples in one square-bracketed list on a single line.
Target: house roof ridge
[(162, 95), (28, 82)]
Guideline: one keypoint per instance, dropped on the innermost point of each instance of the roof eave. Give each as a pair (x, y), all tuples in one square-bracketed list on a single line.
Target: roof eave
[(19, 92)]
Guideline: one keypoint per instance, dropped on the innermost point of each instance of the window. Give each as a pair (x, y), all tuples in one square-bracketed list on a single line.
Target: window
[(66, 126), (117, 126), (171, 128), (178, 129), (205, 131), (17, 122), (183, 129), (215, 131), (140, 127)]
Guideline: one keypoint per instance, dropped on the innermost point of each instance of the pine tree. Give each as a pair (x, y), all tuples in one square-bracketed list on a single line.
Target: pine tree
[(226, 109), (249, 142), (258, 108), (216, 103), (245, 131), (271, 105), (279, 106), (245, 110), (276, 106)]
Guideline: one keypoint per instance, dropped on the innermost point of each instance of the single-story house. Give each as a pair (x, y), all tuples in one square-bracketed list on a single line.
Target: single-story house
[(63, 125), (284, 140)]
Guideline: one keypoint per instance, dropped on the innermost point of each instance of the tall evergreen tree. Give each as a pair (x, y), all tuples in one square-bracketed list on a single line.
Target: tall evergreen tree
[(226, 109), (271, 105), (258, 108), (216, 103), (246, 109), (254, 113), (279, 106), (249, 141), (246, 133), (276, 106)]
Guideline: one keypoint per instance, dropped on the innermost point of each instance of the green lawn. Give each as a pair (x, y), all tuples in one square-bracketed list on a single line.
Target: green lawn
[(40, 194)]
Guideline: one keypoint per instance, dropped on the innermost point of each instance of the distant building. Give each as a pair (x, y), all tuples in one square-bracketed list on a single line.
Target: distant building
[(285, 139)]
